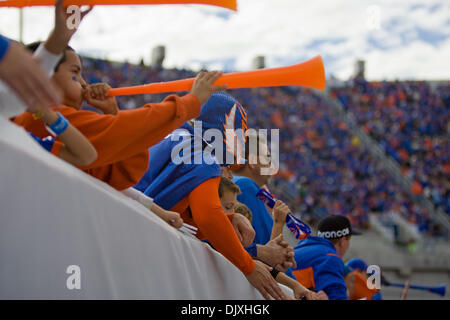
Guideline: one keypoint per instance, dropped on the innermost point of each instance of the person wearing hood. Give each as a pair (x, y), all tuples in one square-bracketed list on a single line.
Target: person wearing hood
[(319, 258)]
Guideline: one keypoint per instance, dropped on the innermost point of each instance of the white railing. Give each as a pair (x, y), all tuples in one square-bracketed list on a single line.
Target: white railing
[(61, 229)]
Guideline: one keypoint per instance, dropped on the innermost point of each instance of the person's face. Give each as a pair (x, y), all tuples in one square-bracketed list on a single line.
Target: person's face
[(343, 245), (259, 162), (69, 79), (228, 201)]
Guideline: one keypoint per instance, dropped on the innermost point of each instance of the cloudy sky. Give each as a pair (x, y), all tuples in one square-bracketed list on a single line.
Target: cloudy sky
[(399, 39)]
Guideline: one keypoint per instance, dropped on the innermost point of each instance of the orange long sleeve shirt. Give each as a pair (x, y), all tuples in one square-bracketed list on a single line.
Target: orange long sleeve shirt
[(122, 140), (213, 223)]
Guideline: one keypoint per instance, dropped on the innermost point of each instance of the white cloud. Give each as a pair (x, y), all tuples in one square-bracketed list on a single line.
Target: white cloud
[(285, 31)]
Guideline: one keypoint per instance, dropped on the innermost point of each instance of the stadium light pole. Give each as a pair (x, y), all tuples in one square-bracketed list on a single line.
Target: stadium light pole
[(21, 25)]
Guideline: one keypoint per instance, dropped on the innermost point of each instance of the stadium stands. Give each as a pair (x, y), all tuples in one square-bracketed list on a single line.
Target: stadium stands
[(410, 120)]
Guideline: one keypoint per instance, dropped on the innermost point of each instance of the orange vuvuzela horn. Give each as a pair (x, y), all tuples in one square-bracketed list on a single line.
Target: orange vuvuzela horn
[(230, 4), (310, 73)]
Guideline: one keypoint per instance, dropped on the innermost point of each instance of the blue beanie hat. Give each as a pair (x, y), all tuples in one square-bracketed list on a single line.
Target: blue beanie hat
[(223, 112), (218, 108), (357, 264)]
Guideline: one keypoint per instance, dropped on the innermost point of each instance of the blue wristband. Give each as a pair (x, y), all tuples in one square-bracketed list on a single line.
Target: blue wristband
[(60, 125), (4, 45)]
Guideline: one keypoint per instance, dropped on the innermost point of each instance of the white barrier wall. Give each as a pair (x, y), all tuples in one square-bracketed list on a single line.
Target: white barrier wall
[(53, 216)]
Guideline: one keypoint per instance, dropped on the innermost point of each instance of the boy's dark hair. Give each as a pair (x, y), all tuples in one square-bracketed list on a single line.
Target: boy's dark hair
[(244, 210), (34, 45), (227, 184)]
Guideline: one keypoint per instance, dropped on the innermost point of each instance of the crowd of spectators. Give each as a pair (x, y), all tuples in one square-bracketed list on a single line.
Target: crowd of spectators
[(410, 120)]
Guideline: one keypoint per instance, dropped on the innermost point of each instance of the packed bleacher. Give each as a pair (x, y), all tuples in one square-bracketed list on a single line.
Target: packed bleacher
[(410, 120)]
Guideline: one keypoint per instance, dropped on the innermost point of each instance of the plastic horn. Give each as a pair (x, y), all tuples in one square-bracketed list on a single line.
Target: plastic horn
[(229, 4), (310, 73), (440, 290)]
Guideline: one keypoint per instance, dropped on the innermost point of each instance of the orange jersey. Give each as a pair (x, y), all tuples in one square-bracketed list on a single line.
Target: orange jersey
[(122, 140)]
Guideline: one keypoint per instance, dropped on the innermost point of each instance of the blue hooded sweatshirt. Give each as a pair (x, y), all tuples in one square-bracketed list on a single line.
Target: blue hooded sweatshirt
[(320, 267)]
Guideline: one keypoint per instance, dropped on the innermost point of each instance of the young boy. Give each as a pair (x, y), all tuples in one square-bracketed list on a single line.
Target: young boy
[(121, 140), (76, 149), (228, 192)]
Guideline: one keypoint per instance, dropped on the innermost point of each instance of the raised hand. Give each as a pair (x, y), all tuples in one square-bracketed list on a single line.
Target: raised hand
[(280, 211), (203, 85), (63, 31)]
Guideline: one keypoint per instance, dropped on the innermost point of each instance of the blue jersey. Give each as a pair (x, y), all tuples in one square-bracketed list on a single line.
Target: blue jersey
[(262, 220), (168, 182), (320, 267)]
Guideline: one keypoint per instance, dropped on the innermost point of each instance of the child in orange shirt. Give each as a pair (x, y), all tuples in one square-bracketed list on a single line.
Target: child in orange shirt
[(121, 140)]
